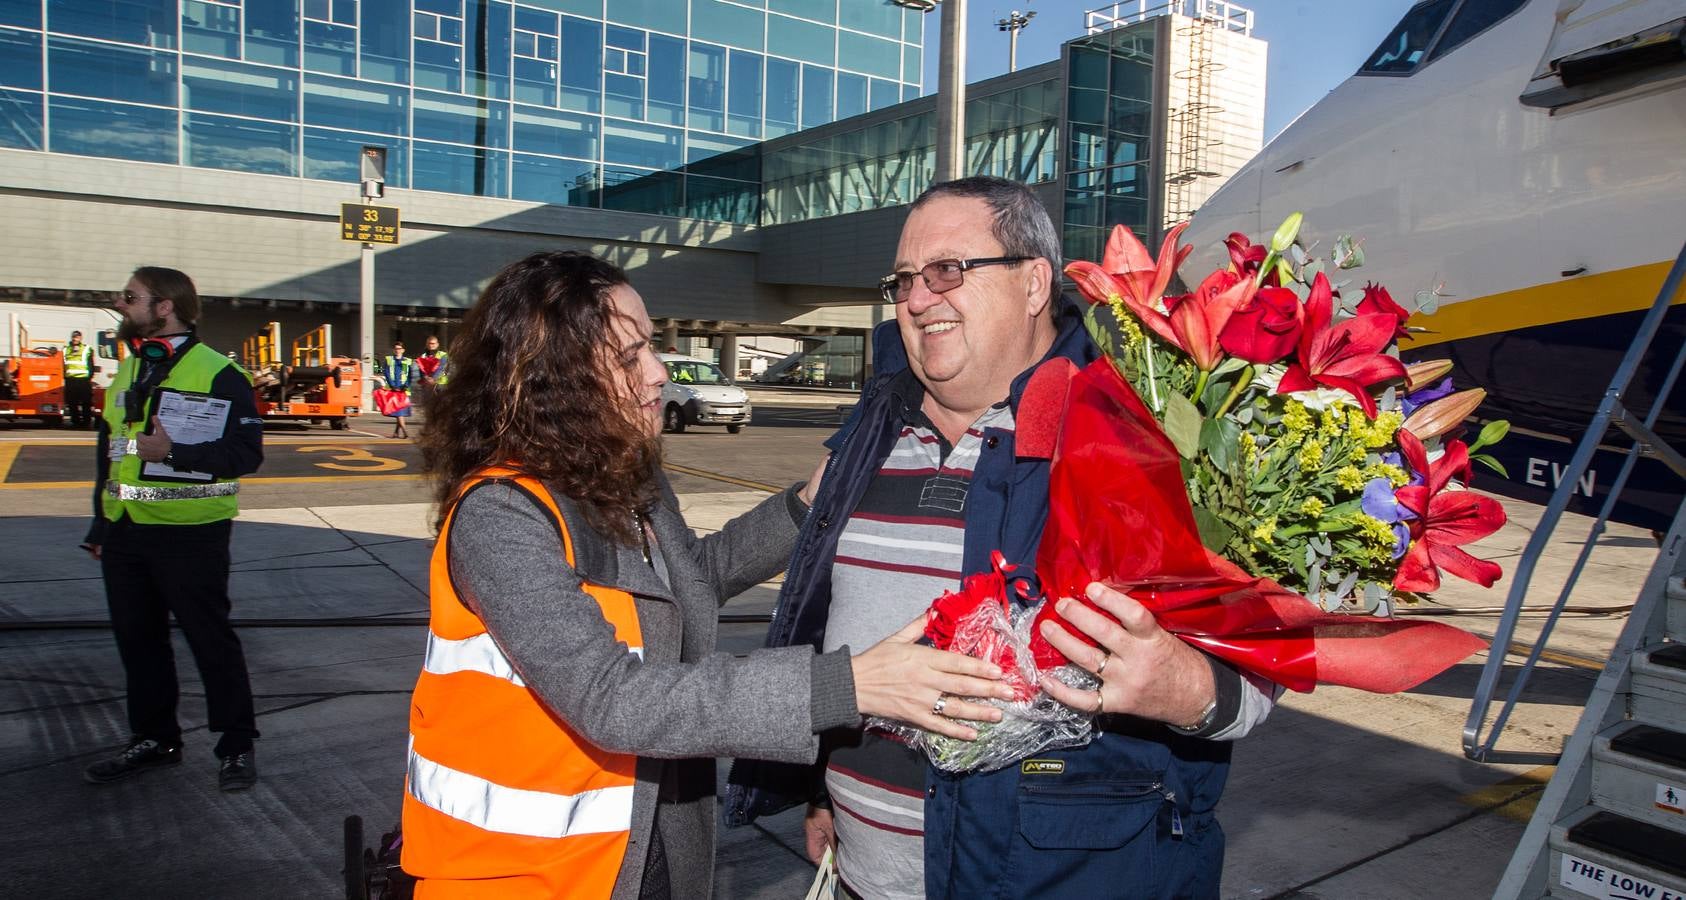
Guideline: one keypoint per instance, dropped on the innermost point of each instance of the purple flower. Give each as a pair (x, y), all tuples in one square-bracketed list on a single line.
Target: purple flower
[(1425, 395), (1379, 503)]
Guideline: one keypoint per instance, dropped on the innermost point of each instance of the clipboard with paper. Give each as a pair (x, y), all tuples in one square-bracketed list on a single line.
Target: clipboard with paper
[(190, 418)]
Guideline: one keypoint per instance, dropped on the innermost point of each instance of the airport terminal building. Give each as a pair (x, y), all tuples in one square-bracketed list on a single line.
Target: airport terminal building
[(748, 161)]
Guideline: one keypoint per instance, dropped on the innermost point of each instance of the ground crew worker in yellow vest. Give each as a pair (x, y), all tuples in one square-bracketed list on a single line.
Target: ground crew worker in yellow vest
[(163, 513), (433, 370), (79, 369)]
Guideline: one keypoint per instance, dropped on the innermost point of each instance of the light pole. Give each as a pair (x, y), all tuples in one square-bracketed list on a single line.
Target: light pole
[(951, 93), (372, 188), (1013, 24)]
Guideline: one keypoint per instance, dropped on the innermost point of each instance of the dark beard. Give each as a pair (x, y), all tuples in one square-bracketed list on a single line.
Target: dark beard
[(127, 331)]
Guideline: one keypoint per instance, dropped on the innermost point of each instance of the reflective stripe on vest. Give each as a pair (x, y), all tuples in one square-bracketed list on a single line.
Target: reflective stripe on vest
[(128, 491), (77, 361), (472, 799), (498, 785)]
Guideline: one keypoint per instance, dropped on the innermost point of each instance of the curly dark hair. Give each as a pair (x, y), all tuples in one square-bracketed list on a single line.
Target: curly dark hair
[(533, 386)]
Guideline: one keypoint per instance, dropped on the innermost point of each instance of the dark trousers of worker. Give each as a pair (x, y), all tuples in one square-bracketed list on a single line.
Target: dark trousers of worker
[(79, 400), (152, 572)]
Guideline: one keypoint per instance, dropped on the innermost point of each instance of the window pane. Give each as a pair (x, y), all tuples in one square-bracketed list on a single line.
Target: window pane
[(1474, 17), (743, 104), (719, 200), (20, 59), (335, 156), (782, 93), (443, 7), (535, 81), (330, 48), (668, 15), (20, 120), (911, 63), (272, 32), (816, 96), (461, 120), (355, 105), (579, 7), (648, 146), (724, 23), (460, 170), (105, 70), (438, 66), (555, 133), (623, 96), (708, 87), (116, 130), (884, 19), (636, 190), (666, 81), (539, 21), (1403, 48), (870, 55), (210, 28), (345, 12), (214, 142), (851, 95), (385, 38), (884, 93), (624, 38), (582, 64), (723, 157), (819, 10), (150, 22), (803, 40), (21, 12), (565, 182), (487, 49), (913, 26), (240, 89)]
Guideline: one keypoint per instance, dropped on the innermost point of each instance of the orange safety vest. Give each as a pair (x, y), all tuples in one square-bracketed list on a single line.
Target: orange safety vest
[(503, 799)]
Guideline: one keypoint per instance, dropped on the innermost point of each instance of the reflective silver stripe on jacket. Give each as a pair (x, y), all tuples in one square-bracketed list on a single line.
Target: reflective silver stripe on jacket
[(495, 807), (120, 447), (476, 654), (185, 492)]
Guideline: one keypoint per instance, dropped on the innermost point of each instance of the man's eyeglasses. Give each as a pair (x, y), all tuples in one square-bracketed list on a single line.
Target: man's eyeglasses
[(941, 276)]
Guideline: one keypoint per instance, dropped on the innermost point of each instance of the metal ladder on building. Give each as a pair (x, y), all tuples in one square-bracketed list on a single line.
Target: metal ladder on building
[(1612, 821), (1191, 121)]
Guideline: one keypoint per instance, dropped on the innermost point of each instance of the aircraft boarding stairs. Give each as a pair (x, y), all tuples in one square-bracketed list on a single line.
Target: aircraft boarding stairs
[(1612, 821)]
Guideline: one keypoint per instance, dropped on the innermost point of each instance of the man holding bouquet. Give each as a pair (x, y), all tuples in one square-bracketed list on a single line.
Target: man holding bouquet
[(925, 485)]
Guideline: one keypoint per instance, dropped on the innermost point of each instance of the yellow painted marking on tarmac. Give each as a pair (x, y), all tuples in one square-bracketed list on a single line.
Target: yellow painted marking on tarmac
[(8, 455), (1607, 293), (353, 459), (716, 476), (1514, 798), (1574, 660)]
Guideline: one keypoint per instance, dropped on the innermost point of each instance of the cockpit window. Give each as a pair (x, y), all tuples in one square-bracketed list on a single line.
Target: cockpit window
[(1407, 45), (1472, 18)]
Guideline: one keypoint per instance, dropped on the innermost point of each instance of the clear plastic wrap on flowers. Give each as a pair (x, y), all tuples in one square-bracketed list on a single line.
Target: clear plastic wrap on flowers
[(1033, 722)]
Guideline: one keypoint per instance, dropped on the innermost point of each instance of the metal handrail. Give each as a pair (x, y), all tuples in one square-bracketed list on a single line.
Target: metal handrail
[(1232, 16), (1610, 411)]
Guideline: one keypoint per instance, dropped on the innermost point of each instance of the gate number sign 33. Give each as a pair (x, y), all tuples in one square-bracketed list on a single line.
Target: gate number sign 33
[(353, 459)]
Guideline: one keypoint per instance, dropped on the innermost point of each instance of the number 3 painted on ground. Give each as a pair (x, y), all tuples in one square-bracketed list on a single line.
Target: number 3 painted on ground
[(353, 459)]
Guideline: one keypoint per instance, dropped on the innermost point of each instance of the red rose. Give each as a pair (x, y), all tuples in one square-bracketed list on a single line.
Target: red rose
[(1267, 330), (1378, 300)]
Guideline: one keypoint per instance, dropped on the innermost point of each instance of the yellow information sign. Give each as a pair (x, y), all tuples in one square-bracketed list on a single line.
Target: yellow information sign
[(369, 224)]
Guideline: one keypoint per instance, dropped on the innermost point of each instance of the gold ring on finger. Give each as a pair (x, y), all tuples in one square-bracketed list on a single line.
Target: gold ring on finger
[(1104, 660), (1100, 701)]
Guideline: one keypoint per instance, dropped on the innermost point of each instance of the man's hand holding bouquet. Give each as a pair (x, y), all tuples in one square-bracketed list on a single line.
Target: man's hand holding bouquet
[(1254, 466)]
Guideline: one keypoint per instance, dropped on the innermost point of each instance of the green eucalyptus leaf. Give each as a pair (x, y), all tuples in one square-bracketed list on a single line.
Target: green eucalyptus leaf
[(1348, 253), (1491, 434), (1286, 232), (1312, 270), (1428, 302), (1182, 424), (1231, 364)]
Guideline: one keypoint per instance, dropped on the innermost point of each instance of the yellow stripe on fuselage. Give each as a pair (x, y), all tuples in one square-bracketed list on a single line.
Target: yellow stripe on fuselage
[(1625, 290)]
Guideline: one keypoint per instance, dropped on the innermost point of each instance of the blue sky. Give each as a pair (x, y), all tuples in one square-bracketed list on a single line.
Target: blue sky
[(1313, 46)]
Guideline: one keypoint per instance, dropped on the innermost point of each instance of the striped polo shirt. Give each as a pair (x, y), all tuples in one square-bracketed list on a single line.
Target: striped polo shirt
[(900, 549)]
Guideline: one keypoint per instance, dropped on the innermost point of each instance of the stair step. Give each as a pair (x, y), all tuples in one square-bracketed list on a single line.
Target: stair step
[(1639, 771), (1599, 854), (1659, 686)]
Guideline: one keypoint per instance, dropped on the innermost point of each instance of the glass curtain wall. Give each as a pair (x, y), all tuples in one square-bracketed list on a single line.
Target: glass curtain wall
[(1109, 122), (1013, 134), (641, 105)]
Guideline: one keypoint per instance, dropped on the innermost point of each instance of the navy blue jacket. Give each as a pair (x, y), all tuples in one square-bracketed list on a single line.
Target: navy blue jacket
[(1129, 815)]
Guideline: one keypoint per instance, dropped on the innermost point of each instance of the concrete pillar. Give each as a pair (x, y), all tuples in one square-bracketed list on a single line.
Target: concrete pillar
[(729, 355), (670, 337)]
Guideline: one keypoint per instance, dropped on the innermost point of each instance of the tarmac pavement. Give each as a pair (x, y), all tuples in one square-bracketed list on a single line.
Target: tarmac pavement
[(1339, 794)]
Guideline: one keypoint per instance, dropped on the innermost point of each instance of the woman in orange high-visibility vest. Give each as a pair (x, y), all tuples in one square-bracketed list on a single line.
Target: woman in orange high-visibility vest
[(564, 723)]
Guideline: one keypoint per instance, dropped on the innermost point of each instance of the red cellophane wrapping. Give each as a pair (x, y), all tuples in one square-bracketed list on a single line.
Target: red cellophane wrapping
[(1118, 513)]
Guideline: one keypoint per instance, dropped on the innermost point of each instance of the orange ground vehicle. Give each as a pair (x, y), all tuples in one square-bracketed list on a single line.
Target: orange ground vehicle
[(309, 384), (32, 386)]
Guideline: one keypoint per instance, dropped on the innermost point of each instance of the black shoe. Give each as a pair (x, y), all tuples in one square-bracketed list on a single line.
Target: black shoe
[(238, 772), (140, 756)]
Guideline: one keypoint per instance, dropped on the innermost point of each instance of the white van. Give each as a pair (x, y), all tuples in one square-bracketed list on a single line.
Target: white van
[(39, 326), (698, 393)]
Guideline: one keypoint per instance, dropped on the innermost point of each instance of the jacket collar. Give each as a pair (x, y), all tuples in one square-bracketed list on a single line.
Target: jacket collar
[(604, 561)]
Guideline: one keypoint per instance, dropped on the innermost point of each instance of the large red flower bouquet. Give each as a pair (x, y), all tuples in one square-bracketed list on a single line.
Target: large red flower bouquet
[(1253, 463)]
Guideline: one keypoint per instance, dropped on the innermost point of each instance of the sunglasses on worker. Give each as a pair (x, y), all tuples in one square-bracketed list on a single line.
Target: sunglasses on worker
[(941, 276)]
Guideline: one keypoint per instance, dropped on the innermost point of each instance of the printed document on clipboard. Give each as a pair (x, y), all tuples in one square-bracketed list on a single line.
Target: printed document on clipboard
[(190, 418)]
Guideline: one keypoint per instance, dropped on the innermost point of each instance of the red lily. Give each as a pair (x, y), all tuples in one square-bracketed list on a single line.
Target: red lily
[(1345, 356), (1245, 257), (1197, 320), (1444, 520), (1127, 270)]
